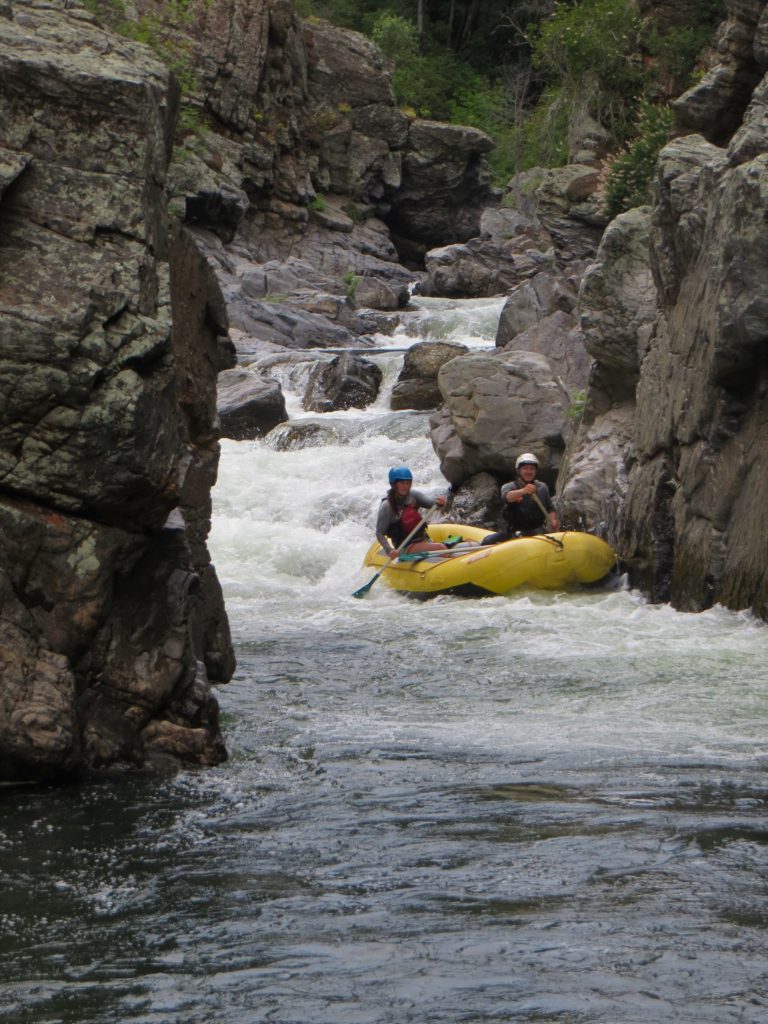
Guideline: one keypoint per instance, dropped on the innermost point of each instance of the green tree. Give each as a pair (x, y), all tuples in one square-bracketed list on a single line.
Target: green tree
[(592, 49)]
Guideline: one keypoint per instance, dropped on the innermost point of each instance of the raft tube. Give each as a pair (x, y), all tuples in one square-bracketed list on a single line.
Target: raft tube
[(550, 561)]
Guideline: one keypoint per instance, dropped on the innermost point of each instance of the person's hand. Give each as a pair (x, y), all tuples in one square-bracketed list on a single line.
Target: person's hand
[(529, 488), (393, 554), (441, 500)]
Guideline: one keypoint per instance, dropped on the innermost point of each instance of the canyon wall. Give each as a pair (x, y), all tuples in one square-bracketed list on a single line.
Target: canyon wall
[(112, 625)]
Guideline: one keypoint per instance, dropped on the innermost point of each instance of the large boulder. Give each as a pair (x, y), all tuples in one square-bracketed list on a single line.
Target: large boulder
[(483, 267), (445, 184), (112, 627), (560, 339), (249, 404), (566, 204), (619, 301), (347, 381), (495, 406), (416, 386), (533, 300)]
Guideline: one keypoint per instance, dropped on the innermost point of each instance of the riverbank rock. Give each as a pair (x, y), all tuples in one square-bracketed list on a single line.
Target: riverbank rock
[(531, 302), (482, 267), (249, 405), (308, 160), (715, 106), (112, 628), (676, 417), (416, 386), (445, 185), (698, 454), (619, 302)]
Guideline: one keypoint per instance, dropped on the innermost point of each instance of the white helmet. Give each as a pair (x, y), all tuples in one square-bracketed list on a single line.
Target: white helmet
[(526, 458)]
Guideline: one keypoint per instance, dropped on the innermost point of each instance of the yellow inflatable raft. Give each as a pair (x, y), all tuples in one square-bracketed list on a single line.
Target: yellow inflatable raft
[(552, 561)]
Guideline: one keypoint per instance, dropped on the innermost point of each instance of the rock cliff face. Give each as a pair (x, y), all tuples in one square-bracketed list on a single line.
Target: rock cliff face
[(676, 313), (309, 154), (112, 626)]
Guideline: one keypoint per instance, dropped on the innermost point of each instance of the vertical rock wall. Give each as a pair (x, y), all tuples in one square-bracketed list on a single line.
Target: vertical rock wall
[(684, 395), (112, 626)]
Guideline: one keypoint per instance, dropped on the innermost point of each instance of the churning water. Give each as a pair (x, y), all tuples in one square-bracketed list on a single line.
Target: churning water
[(544, 808)]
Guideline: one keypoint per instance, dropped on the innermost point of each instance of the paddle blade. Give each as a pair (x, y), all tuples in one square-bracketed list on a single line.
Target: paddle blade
[(364, 589)]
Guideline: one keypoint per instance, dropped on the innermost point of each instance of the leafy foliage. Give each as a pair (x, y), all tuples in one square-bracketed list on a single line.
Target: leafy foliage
[(351, 281), (524, 71), (594, 45), (435, 84), (630, 175)]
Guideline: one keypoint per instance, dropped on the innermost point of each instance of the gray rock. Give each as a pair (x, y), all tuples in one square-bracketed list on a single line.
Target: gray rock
[(751, 139), (445, 185), (619, 300), (684, 451), (347, 381), (249, 405), (477, 502), (593, 480), (416, 386), (482, 267), (715, 105), (533, 300), (111, 339), (371, 292), (561, 340), (497, 405)]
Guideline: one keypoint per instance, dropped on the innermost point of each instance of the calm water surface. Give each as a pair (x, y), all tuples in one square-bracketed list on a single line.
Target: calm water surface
[(544, 808)]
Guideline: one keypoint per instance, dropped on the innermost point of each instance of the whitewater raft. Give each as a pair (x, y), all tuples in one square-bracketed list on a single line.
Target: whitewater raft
[(551, 561)]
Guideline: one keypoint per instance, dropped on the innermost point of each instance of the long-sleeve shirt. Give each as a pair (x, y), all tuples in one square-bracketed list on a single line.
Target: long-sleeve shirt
[(387, 518)]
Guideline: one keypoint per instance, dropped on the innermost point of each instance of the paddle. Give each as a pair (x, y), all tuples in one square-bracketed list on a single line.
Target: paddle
[(537, 499), (364, 589), (554, 540)]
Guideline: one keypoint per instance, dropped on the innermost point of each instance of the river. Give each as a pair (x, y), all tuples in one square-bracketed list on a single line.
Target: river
[(542, 808)]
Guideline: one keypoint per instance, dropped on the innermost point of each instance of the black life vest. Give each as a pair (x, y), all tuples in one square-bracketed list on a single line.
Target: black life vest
[(525, 516)]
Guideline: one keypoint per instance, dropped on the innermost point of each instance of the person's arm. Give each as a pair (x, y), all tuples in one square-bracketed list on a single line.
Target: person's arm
[(425, 501), (511, 494), (546, 501), (383, 523)]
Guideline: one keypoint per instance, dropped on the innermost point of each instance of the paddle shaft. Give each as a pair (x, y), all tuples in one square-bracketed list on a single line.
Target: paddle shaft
[(537, 499), (404, 544)]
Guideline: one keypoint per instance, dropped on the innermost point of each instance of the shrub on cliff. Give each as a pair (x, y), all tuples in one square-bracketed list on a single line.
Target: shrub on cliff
[(591, 51), (629, 178)]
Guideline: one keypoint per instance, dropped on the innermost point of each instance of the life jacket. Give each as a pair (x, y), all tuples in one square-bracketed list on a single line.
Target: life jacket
[(409, 520), (525, 516)]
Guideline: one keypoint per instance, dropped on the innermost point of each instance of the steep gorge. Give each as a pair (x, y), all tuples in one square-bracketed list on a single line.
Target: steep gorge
[(116, 319)]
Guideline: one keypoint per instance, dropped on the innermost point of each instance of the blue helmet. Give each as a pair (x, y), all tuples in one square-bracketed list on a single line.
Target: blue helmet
[(399, 473)]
